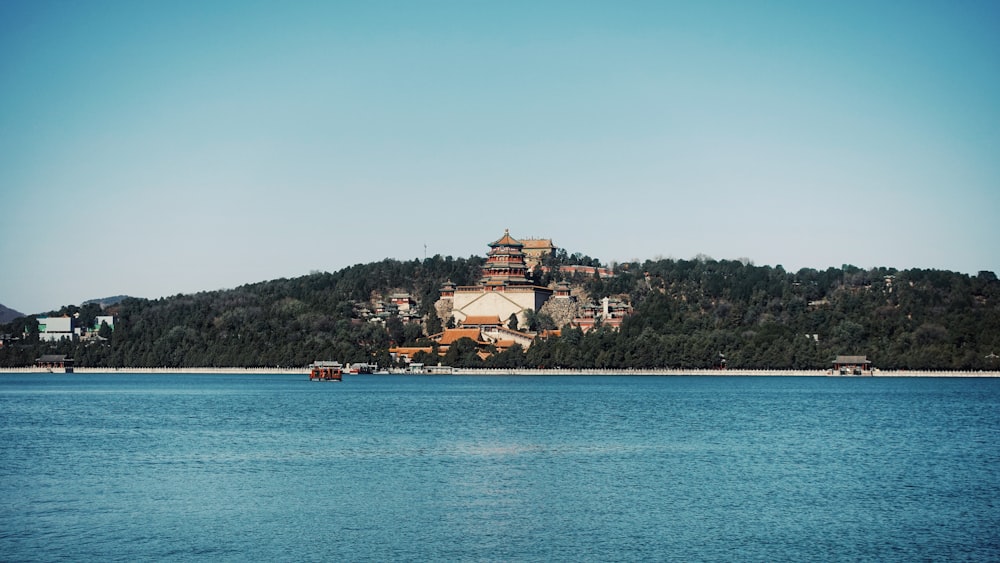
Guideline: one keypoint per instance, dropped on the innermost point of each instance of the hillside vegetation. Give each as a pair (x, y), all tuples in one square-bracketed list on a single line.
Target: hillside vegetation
[(687, 314), (7, 314)]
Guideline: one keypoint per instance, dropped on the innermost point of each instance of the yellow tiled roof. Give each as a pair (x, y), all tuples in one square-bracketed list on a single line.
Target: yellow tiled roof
[(451, 335), (537, 243), (507, 240), (482, 320), (410, 350)]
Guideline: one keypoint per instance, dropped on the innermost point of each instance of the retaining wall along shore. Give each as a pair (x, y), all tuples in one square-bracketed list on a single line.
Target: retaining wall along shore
[(521, 371)]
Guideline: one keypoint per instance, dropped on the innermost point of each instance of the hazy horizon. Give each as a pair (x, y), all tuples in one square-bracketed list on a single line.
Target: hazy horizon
[(157, 148)]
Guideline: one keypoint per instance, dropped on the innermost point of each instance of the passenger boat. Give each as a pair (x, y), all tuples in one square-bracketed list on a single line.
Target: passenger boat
[(326, 371), (360, 368)]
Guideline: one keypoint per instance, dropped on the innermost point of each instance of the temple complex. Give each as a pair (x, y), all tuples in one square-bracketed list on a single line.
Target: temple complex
[(504, 288), (493, 314)]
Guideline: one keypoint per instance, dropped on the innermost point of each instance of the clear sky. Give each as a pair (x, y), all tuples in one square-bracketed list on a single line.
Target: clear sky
[(161, 147)]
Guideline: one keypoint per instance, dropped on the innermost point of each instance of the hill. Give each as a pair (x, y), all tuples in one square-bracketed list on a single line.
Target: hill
[(106, 302), (687, 314), (7, 314)]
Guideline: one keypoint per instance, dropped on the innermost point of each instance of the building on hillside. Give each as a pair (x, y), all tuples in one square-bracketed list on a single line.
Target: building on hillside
[(503, 338), (52, 329), (402, 301), (483, 322), (505, 263), (442, 342), (592, 271), (94, 332), (486, 332), (610, 313), (564, 291), (535, 249), (400, 305), (503, 289)]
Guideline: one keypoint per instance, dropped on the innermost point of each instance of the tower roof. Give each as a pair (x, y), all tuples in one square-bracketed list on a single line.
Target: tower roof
[(507, 240)]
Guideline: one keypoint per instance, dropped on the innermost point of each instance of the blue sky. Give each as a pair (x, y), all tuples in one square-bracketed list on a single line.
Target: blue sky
[(163, 147)]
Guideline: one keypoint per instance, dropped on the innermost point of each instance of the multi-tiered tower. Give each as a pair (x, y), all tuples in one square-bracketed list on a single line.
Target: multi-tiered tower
[(505, 263)]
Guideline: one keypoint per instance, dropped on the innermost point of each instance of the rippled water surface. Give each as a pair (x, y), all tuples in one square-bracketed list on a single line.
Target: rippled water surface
[(274, 467)]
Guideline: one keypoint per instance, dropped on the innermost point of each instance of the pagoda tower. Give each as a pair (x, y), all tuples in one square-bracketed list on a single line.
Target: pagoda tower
[(505, 263)]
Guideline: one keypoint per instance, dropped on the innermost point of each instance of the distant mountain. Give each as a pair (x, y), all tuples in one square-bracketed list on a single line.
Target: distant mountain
[(106, 301), (7, 314)]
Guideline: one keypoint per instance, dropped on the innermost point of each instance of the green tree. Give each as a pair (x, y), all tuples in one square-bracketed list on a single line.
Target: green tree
[(433, 322), (104, 331)]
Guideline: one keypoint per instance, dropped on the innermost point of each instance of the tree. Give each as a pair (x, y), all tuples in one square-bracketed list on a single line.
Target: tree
[(433, 323), (538, 322), (462, 353), (685, 313)]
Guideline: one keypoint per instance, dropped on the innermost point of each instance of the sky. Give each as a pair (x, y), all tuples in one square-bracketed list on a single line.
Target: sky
[(162, 147)]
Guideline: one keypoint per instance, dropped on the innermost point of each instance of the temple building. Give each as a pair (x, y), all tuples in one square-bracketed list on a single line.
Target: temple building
[(610, 313), (535, 249), (504, 289)]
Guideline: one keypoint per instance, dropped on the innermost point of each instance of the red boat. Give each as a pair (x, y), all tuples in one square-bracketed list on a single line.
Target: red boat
[(326, 371)]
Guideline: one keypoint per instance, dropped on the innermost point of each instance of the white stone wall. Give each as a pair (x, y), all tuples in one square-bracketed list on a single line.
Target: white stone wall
[(501, 304)]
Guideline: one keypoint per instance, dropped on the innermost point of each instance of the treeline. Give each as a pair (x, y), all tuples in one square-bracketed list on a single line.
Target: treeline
[(284, 322), (699, 313)]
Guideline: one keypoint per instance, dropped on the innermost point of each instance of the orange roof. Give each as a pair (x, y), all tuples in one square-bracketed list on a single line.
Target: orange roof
[(538, 243), (482, 320), (450, 335), (410, 350), (507, 240)]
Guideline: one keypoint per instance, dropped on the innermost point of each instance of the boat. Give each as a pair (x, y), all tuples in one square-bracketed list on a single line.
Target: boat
[(326, 371), (360, 368)]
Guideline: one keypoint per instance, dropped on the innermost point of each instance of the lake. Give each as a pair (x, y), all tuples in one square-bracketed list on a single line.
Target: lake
[(498, 468)]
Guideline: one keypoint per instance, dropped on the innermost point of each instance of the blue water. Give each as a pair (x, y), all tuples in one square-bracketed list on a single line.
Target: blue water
[(389, 468)]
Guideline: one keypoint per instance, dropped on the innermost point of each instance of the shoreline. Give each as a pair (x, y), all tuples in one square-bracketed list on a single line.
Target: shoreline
[(551, 372)]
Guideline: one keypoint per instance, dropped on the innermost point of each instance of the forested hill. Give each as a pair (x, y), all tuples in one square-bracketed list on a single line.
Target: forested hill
[(687, 314), (7, 314)]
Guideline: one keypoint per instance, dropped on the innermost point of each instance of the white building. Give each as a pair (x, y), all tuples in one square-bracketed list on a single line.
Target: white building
[(51, 329)]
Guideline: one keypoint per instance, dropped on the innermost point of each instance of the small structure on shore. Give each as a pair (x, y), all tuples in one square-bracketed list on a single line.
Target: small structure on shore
[(852, 365), (55, 363)]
